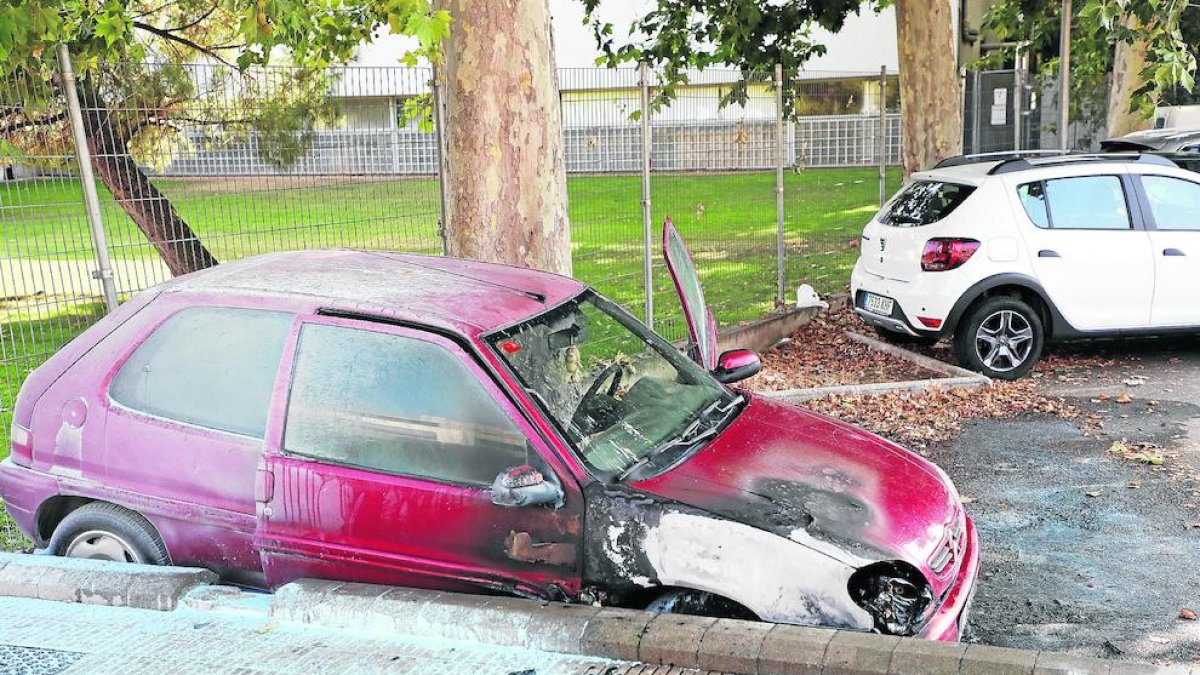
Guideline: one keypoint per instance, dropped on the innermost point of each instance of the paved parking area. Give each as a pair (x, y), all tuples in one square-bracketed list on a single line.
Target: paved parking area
[(1083, 550)]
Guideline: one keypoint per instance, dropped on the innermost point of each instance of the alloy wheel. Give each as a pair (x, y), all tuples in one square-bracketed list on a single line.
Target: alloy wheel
[(1004, 340)]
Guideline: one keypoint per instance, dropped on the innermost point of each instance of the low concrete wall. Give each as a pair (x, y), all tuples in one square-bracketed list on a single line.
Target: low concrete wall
[(720, 646), (762, 334)]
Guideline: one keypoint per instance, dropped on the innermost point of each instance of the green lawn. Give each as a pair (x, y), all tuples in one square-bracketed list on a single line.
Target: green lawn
[(728, 219)]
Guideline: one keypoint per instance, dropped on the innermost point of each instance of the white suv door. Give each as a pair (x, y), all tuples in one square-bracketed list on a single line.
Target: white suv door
[(1174, 229), (1087, 247)]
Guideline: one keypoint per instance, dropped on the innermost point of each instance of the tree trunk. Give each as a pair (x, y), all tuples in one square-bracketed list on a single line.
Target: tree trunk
[(149, 209), (506, 188), (931, 108), (1128, 62)]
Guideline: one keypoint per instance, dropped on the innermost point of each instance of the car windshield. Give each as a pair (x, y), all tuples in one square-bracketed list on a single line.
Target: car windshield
[(621, 394)]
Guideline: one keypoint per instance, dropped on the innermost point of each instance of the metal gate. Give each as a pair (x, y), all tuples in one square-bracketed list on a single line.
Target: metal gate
[(1000, 112)]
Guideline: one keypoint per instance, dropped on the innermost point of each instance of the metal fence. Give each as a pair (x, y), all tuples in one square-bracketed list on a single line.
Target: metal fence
[(225, 164)]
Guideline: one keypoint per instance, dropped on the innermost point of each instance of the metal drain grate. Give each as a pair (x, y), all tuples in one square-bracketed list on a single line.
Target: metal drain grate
[(16, 660)]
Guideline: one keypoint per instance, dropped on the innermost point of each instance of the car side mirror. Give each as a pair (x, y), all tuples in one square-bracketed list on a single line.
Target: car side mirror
[(736, 365), (525, 486)]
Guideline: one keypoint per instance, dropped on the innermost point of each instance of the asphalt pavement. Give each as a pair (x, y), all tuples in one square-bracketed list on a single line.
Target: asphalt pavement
[(1087, 550)]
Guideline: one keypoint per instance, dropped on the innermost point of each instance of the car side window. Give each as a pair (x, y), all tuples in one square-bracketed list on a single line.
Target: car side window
[(1087, 203), (1033, 198), (212, 367), (397, 405), (1174, 203)]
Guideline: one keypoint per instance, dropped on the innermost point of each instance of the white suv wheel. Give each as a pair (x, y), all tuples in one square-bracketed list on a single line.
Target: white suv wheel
[(1004, 340), (1001, 337)]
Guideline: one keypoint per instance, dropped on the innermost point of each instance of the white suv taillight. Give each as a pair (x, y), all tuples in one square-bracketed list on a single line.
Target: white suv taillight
[(22, 445), (944, 254)]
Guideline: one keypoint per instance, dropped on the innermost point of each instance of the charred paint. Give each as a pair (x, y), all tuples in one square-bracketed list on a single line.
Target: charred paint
[(521, 546), (635, 543)]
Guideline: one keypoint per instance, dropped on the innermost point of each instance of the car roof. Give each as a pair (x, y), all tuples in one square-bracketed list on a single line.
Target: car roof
[(461, 295), (975, 169)]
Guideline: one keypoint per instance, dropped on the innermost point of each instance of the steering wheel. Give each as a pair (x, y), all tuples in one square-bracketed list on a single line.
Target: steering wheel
[(615, 372)]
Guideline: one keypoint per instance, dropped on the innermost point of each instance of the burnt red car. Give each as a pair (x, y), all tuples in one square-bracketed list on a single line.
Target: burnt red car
[(455, 425)]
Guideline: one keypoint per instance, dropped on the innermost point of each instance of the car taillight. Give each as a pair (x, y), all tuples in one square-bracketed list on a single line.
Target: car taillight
[(22, 445), (946, 254)]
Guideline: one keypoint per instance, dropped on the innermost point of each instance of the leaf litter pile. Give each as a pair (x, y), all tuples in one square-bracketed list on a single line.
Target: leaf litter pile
[(820, 354)]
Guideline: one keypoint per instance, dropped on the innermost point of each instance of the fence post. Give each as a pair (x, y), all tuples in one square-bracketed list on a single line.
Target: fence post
[(87, 179), (780, 158), (883, 135), (976, 96), (1064, 77), (1018, 95), (647, 224), (442, 164)]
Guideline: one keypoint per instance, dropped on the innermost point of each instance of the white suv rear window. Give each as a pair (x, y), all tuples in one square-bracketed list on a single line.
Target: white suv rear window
[(924, 202)]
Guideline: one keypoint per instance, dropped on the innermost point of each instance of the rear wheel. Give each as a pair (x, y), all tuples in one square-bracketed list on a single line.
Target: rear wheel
[(1001, 338), (103, 531), (904, 338)]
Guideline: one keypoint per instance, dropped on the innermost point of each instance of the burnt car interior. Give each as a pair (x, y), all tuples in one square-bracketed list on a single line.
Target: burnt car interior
[(618, 391)]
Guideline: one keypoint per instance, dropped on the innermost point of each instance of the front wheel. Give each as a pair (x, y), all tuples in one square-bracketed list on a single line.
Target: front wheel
[(1002, 338), (699, 603), (103, 531)]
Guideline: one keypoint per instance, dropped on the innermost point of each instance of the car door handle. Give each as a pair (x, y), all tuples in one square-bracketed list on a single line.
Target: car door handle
[(1048, 253), (1173, 252)]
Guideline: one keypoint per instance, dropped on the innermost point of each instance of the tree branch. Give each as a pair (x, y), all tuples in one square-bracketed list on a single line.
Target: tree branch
[(179, 39), (20, 125), (189, 24)]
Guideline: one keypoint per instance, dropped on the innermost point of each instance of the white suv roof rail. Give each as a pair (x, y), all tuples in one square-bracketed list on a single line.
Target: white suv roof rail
[(1006, 155), (1022, 164)]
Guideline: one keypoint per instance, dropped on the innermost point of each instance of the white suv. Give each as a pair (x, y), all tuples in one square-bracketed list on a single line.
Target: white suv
[(1007, 253)]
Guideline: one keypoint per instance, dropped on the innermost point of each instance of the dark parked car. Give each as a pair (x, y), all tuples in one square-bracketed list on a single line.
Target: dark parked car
[(456, 425), (1181, 146)]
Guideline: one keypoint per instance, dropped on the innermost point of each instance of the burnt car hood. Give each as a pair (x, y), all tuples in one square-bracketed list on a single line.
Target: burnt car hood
[(819, 482)]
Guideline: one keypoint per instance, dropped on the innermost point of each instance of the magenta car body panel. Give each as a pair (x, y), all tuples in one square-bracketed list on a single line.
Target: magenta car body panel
[(788, 515)]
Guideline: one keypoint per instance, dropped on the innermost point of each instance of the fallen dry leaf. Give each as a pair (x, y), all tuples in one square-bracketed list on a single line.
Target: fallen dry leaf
[(1187, 614), (1124, 398), (820, 354)]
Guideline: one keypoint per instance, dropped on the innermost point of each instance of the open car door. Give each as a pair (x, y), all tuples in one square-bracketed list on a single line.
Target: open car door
[(702, 330)]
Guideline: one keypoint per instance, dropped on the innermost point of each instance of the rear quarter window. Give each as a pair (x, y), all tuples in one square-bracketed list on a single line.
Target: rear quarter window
[(212, 367), (925, 202)]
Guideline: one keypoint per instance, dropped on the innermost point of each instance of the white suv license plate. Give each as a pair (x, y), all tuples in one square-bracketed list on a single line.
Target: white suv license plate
[(877, 304)]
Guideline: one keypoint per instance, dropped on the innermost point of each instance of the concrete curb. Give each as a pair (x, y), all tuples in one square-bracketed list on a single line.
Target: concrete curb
[(678, 641), (947, 369), (765, 332), (955, 377), (94, 582), (720, 645)]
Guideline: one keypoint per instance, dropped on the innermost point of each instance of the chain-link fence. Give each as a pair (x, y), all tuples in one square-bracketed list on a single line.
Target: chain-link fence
[(201, 163)]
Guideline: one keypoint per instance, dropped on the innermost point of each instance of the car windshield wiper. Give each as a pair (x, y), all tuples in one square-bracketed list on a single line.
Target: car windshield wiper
[(702, 426)]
